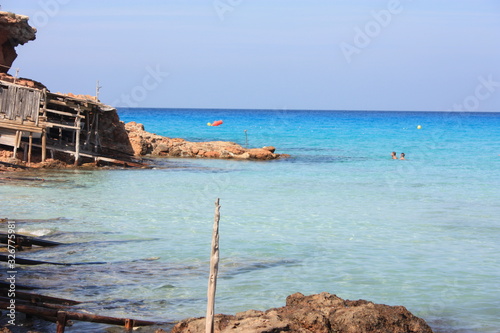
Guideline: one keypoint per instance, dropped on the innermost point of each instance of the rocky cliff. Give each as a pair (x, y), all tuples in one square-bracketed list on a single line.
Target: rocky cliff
[(14, 31)]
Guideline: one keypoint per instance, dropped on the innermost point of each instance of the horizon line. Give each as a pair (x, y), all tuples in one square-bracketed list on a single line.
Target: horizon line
[(285, 109)]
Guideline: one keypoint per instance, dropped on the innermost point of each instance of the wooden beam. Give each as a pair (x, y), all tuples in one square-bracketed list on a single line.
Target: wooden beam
[(30, 147), (63, 113), (21, 127), (79, 316), (50, 124), (44, 145), (77, 141)]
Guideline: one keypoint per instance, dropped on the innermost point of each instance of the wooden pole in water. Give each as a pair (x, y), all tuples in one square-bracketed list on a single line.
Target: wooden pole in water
[(214, 268)]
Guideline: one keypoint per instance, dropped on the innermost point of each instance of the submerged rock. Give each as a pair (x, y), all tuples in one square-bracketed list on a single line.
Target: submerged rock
[(320, 313)]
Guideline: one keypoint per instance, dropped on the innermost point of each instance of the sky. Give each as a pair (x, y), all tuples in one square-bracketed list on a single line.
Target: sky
[(416, 55)]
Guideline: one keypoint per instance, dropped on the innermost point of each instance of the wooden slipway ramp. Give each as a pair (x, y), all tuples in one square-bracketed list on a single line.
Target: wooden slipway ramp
[(53, 309)]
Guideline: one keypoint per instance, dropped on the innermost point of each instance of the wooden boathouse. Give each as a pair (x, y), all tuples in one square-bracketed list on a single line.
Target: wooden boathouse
[(32, 118)]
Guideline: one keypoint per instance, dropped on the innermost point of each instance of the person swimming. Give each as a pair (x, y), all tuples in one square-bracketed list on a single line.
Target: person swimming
[(393, 154), (402, 156)]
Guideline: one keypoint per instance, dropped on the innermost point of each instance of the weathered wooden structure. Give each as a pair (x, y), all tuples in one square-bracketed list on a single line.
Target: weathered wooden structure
[(33, 118)]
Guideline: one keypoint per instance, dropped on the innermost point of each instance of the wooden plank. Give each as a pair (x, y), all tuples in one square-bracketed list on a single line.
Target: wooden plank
[(21, 127), (7, 137), (36, 310), (50, 124), (63, 113)]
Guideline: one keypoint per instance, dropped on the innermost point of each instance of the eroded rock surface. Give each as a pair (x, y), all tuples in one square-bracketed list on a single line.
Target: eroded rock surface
[(14, 31)]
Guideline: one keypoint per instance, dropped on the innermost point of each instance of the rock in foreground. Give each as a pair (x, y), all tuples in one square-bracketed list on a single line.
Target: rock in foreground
[(320, 313)]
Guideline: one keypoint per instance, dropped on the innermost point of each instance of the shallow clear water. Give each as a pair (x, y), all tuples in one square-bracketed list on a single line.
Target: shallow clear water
[(338, 216)]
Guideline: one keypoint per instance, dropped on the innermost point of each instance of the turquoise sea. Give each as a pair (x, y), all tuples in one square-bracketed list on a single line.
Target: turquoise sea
[(338, 216)]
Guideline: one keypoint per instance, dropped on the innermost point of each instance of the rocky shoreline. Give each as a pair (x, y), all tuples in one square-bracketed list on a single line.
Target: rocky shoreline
[(149, 144), (319, 313), (139, 143)]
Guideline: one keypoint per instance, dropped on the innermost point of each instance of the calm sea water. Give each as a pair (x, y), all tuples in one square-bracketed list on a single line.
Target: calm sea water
[(338, 216)]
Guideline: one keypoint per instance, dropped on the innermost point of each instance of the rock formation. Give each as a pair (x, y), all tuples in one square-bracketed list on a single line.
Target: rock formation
[(320, 313), (14, 31), (145, 143)]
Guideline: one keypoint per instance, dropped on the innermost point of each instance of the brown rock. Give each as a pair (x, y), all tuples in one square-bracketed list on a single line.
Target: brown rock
[(14, 31), (134, 127), (22, 81), (260, 154), (144, 143), (244, 156), (320, 313), (212, 154), (270, 148)]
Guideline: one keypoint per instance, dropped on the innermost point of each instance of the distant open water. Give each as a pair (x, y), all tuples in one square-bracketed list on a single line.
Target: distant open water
[(338, 216)]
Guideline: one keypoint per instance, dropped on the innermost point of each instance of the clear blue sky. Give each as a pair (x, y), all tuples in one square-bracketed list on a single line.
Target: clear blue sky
[(274, 54)]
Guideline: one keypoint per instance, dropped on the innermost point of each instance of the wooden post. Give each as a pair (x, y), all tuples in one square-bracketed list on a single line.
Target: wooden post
[(129, 324), (30, 147), (44, 144), (214, 268), (96, 135), (25, 152), (77, 140), (17, 139), (61, 321)]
